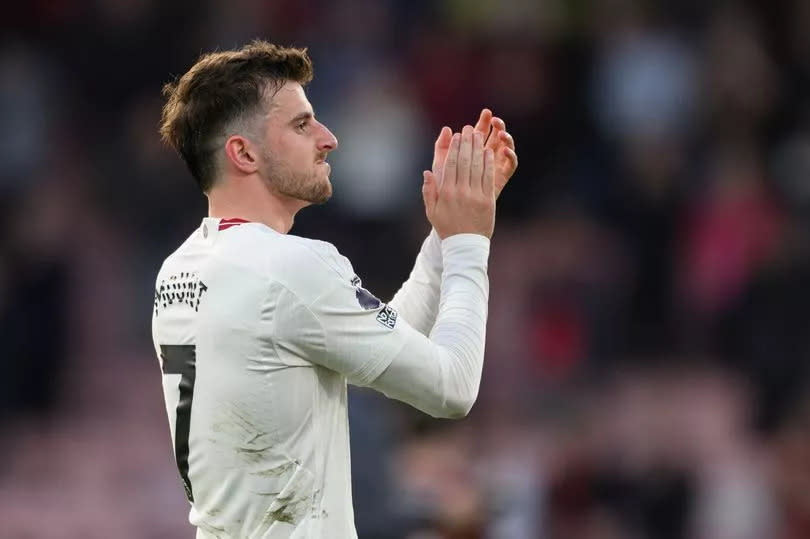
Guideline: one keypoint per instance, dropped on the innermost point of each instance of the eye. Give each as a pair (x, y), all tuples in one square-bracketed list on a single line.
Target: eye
[(302, 125)]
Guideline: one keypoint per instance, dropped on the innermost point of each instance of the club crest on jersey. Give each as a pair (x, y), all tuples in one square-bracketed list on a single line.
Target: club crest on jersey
[(184, 288)]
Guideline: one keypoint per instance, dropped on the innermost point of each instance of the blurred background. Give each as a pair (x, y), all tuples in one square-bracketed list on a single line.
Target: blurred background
[(648, 346)]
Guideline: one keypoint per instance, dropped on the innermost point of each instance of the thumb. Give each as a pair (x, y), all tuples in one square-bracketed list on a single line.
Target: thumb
[(429, 191)]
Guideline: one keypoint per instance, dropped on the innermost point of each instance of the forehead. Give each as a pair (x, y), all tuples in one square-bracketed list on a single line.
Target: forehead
[(289, 101)]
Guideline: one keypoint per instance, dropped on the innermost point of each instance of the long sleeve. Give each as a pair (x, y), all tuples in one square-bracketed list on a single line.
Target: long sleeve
[(417, 301), (370, 344), (441, 375)]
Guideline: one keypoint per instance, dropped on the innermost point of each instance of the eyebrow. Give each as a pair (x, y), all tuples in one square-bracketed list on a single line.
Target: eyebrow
[(302, 116)]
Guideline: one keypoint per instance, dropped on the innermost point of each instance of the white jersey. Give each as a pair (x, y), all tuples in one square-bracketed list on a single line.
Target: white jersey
[(257, 333)]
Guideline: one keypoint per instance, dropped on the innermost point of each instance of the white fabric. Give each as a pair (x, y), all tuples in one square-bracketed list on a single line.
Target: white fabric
[(278, 325), (441, 376), (418, 299)]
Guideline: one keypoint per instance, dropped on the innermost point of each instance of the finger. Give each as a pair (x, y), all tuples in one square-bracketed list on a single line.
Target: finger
[(440, 148), (465, 157), (450, 170), (507, 139), (443, 140), (510, 154), (488, 180), (477, 166), (484, 122), (494, 140), (429, 191)]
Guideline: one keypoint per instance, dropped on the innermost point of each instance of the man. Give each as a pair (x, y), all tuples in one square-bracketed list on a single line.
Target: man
[(258, 331)]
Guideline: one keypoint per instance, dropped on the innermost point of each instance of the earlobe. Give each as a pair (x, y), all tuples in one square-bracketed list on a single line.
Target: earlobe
[(240, 152)]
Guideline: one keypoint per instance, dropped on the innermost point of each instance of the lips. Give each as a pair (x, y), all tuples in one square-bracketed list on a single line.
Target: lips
[(322, 161)]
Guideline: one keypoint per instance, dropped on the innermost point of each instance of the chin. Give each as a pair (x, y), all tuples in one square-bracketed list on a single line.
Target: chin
[(321, 193), (324, 196)]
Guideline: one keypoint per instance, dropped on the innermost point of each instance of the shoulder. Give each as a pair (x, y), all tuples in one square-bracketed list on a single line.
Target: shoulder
[(305, 266), (321, 253), (177, 260), (310, 268)]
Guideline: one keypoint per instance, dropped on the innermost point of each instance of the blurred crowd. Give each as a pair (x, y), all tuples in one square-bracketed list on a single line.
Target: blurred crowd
[(649, 336)]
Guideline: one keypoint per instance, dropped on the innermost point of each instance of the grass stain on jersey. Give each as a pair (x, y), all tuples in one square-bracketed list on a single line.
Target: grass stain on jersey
[(257, 493), (277, 471), (287, 509), (281, 515)]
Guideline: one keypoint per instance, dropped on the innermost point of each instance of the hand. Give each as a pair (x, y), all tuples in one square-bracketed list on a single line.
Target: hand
[(464, 203), (497, 139)]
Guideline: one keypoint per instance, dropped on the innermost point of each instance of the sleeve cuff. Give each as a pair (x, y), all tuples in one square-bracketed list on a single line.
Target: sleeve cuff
[(463, 241)]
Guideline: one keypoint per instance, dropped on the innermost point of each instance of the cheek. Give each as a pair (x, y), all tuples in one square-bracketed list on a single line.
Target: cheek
[(296, 150)]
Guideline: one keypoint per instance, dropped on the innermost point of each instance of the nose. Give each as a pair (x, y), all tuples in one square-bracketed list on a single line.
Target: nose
[(327, 141)]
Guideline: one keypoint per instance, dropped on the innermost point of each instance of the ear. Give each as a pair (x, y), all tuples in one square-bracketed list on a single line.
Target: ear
[(242, 154)]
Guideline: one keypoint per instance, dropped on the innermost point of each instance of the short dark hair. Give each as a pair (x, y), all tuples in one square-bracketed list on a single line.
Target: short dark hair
[(219, 89)]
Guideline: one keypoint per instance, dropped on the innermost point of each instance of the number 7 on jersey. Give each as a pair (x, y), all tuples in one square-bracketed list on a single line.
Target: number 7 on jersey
[(182, 359)]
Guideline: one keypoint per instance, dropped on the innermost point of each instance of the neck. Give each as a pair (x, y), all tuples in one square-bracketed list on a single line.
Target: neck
[(250, 199)]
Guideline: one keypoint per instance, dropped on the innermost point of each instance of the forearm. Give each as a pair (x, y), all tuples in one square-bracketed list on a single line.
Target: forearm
[(441, 375), (418, 299)]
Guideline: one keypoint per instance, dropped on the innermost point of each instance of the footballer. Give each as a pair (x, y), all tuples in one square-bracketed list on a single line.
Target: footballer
[(259, 331)]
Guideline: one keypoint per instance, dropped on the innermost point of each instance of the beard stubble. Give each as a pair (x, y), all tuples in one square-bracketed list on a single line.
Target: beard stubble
[(308, 186)]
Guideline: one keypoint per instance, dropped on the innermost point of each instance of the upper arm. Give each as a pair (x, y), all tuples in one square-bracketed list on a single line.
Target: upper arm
[(374, 347), (343, 328), (327, 319)]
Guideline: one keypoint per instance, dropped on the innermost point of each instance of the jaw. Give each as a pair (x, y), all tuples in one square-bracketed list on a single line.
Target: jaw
[(294, 191), (292, 204)]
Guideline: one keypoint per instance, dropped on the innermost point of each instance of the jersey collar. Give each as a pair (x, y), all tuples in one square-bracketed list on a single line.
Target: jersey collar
[(211, 226), (233, 221)]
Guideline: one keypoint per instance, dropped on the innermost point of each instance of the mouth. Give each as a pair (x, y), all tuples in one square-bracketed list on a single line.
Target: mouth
[(321, 162)]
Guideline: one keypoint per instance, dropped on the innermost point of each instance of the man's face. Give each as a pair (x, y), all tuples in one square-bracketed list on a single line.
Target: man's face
[(295, 148)]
